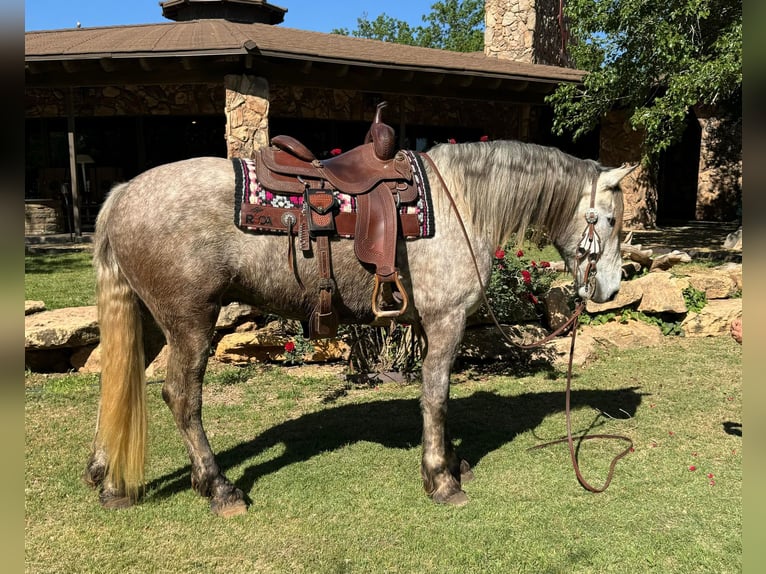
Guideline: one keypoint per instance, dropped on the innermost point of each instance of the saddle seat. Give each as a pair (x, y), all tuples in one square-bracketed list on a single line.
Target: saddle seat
[(379, 178)]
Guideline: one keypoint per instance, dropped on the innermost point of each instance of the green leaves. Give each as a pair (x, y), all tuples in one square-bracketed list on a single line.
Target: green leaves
[(451, 25), (657, 59)]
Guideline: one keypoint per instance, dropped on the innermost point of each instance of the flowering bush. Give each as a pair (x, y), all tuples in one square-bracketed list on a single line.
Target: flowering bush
[(517, 284), (296, 349)]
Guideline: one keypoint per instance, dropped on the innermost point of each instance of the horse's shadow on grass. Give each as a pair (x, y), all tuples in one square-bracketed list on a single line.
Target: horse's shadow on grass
[(480, 423)]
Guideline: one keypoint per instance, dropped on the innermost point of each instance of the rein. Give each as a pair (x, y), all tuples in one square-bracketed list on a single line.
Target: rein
[(588, 250)]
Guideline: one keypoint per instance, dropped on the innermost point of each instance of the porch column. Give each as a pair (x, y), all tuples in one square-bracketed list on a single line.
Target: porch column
[(247, 114), (719, 179), (620, 143)]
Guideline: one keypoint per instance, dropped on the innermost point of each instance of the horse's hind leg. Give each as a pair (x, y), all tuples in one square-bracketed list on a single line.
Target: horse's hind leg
[(440, 466), (188, 350)]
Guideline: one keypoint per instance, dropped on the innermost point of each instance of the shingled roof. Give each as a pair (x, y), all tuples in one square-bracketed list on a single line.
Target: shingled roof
[(221, 37)]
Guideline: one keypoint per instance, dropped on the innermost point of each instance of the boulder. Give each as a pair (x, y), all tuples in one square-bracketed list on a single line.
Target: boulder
[(235, 313), (484, 343), (269, 346), (734, 240), (586, 349), (714, 319), (557, 308), (31, 307), (716, 283), (61, 328), (629, 335), (661, 293), (630, 292)]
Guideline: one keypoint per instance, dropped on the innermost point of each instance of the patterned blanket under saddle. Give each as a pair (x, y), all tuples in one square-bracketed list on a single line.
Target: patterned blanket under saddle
[(258, 209)]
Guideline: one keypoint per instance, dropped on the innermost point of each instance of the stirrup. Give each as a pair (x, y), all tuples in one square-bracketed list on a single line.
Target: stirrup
[(393, 312)]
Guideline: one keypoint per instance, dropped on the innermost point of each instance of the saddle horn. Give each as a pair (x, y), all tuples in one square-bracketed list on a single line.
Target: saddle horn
[(381, 135)]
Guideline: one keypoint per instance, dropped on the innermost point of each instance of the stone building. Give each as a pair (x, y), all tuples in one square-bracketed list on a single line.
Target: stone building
[(219, 78)]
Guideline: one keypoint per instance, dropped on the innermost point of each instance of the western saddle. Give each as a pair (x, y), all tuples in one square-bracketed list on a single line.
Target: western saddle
[(378, 177)]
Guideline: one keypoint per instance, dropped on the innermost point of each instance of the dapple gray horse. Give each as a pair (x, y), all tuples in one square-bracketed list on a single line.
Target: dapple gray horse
[(168, 255)]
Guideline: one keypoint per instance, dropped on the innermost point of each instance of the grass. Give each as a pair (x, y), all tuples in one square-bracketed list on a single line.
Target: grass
[(60, 280), (332, 473)]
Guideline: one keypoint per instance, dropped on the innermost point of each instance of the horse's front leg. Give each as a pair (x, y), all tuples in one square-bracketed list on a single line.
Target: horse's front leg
[(182, 392), (440, 466)]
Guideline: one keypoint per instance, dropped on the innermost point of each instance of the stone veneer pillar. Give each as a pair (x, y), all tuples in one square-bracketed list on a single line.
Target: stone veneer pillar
[(523, 30), (619, 143), (247, 114), (719, 179)]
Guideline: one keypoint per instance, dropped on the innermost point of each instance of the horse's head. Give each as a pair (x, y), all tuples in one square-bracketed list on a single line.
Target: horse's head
[(593, 250)]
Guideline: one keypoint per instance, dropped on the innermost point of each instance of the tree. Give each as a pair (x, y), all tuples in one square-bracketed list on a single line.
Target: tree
[(451, 25), (655, 58)]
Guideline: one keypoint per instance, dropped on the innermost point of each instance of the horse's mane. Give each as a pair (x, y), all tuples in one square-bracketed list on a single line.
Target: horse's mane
[(508, 186)]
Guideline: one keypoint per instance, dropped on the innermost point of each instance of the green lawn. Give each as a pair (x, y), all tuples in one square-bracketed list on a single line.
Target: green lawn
[(60, 279), (332, 472)]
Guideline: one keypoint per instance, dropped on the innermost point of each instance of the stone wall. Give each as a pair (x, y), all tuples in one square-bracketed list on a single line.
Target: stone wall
[(43, 217), (127, 100), (494, 119), (523, 30), (620, 143)]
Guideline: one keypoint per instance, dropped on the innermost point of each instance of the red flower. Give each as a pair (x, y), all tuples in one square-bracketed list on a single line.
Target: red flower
[(519, 253), (451, 140), (484, 139), (544, 264), (692, 468), (289, 346), (499, 253), (532, 263), (527, 276), (335, 151), (533, 298), (710, 475)]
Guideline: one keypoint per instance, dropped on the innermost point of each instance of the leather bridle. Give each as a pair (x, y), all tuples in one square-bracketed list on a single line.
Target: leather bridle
[(588, 252)]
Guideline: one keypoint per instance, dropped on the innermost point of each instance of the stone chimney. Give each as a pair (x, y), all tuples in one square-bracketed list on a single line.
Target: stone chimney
[(524, 31)]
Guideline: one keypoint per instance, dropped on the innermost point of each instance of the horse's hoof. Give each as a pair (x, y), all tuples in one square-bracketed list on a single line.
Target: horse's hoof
[(228, 509), (466, 474), (114, 502), (457, 498)]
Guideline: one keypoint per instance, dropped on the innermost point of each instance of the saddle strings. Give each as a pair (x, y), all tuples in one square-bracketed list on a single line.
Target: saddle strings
[(589, 272)]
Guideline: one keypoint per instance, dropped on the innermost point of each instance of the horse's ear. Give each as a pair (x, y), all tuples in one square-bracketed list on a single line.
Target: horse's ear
[(613, 176)]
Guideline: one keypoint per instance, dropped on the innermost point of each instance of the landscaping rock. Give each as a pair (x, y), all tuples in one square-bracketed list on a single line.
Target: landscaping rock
[(716, 283), (264, 346), (629, 335), (31, 307), (61, 328), (235, 313), (714, 319), (630, 292), (661, 293), (485, 344), (557, 308)]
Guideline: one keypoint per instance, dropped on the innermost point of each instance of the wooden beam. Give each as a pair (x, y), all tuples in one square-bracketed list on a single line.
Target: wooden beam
[(73, 164)]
